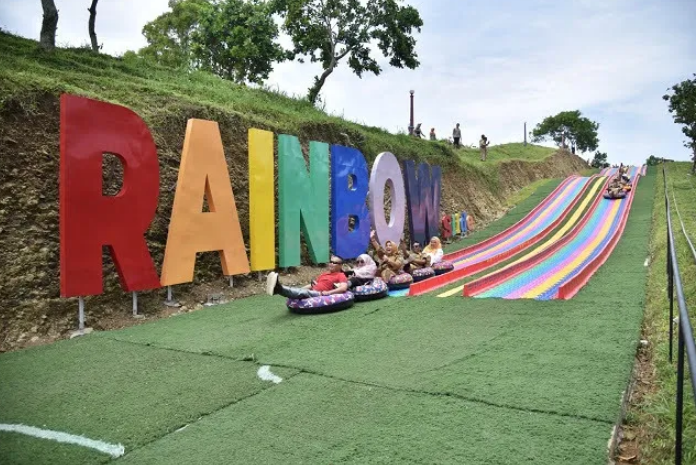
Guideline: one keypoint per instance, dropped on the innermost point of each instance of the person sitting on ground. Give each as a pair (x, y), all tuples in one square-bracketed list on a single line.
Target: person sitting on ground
[(415, 259), (434, 250), (432, 134), (364, 271), (333, 281), (389, 262)]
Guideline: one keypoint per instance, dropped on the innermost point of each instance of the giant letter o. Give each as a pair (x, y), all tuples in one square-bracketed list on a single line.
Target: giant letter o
[(386, 171)]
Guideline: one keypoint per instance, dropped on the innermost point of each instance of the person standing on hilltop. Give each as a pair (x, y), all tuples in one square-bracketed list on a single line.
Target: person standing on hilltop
[(457, 135), (418, 132), (483, 145), (432, 134)]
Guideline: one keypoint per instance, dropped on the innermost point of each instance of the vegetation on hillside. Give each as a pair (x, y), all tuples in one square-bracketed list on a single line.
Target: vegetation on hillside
[(682, 106), (568, 128)]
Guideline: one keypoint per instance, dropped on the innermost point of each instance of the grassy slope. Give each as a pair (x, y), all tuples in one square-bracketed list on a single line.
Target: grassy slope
[(652, 417), (394, 380), (152, 91)]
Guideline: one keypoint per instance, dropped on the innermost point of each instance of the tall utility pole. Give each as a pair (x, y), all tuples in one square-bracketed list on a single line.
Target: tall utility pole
[(525, 133), (410, 124)]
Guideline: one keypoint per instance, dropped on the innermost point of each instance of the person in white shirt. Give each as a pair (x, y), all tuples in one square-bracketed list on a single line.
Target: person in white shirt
[(434, 250), (457, 135)]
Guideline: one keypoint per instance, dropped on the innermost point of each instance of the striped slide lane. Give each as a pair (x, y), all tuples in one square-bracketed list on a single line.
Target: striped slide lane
[(588, 204), (534, 229), (543, 280)]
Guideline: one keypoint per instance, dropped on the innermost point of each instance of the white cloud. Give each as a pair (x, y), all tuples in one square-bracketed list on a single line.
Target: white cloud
[(488, 65)]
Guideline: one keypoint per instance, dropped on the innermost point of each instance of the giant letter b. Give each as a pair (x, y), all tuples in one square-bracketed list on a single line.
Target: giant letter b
[(90, 220)]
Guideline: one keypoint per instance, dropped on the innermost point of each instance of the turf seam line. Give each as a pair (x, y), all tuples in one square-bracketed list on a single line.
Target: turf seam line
[(201, 417), (365, 383)]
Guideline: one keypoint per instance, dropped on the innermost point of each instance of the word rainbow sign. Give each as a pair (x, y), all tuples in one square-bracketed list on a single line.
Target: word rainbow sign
[(90, 220)]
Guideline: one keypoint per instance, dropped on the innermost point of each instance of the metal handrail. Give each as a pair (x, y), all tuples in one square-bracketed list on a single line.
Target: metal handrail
[(685, 342)]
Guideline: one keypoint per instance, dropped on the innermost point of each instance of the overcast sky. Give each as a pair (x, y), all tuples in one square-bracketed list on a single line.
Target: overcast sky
[(489, 65)]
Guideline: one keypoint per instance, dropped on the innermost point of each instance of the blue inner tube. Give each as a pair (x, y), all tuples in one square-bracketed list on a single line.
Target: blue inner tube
[(372, 291), (321, 304)]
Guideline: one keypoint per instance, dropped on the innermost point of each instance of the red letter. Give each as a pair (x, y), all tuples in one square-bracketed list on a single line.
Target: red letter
[(446, 227), (90, 220)]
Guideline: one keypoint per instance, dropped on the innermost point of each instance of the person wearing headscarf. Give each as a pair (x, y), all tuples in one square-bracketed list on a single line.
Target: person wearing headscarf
[(364, 271), (389, 261), (434, 250)]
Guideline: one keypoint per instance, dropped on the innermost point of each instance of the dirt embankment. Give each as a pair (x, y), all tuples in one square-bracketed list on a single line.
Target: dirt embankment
[(31, 310)]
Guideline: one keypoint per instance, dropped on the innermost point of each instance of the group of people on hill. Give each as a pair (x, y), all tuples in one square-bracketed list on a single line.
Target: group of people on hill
[(456, 138), (381, 262)]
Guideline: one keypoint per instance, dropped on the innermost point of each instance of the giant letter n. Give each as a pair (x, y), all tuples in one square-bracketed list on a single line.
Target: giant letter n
[(303, 200), (424, 189), (90, 220)]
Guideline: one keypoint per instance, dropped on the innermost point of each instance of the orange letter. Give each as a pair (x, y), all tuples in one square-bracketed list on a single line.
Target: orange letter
[(203, 170)]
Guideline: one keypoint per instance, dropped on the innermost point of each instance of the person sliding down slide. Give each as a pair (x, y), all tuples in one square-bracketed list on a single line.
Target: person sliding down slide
[(334, 281)]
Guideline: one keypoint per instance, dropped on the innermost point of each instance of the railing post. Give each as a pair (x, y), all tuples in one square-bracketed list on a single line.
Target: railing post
[(680, 396)]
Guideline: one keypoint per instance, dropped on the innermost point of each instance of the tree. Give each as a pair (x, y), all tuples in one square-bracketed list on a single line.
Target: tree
[(682, 106), (169, 35), (599, 160), (652, 160), (49, 25), (236, 40), (92, 19), (568, 126), (329, 30)]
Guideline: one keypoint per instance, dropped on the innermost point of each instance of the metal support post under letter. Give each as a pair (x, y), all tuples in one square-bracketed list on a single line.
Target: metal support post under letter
[(81, 315), (135, 303)]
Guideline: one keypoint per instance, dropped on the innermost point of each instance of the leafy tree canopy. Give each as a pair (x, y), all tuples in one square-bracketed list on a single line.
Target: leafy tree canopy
[(599, 160), (653, 160), (329, 30), (235, 39), (569, 127), (682, 106)]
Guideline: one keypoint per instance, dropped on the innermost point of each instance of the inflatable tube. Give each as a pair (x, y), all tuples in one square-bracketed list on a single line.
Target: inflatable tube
[(422, 273), (400, 281), (443, 267), (607, 195), (321, 304), (372, 291)]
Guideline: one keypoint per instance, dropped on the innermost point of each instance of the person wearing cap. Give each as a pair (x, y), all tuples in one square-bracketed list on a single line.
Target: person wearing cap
[(333, 281)]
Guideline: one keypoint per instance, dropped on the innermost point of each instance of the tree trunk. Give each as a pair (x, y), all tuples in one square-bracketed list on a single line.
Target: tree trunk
[(319, 83), (92, 19), (693, 167), (49, 25)]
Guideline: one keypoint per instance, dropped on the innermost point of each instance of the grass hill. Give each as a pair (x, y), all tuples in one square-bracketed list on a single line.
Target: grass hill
[(31, 82)]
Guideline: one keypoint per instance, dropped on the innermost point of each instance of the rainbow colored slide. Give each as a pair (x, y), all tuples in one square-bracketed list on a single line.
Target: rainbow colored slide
[(561, 269), (525, 233)]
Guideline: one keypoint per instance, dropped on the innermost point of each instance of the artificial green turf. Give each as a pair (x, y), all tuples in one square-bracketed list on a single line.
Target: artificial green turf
[(18, 449), (477, 380), (312, 419), (114, 391)]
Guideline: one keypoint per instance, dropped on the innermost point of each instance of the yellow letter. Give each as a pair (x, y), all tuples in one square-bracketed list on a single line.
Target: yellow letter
[(261, 200)]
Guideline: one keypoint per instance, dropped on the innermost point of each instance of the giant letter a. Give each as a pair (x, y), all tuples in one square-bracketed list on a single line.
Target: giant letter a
[(203, 170)]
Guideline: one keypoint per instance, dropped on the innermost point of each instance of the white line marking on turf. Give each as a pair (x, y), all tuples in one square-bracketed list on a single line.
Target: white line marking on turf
[(114, 450), (265, 374)]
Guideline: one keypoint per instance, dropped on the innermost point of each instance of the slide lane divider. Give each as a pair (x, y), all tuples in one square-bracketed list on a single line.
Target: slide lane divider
[(436, 282), (494, 279)]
